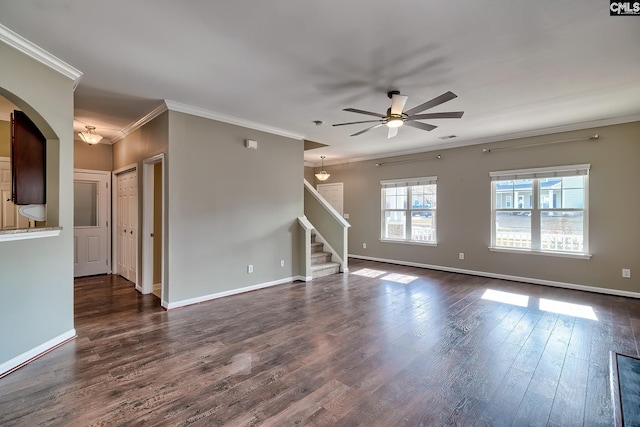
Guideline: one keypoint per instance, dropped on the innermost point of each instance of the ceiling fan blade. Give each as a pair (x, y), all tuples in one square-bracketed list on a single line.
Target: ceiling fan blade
[(423, 126), (447, 96), (369, 113), (356, 123), (397, 103), (392, 132), (367, 129), (447, 115)]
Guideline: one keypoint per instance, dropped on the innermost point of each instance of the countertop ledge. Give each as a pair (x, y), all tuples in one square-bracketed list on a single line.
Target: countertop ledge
[(29, 233)]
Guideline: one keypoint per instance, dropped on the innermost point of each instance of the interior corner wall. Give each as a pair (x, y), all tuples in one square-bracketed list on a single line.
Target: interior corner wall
[(230, 207), (36, 275), (95, 157), (309, 175), (464, 207)]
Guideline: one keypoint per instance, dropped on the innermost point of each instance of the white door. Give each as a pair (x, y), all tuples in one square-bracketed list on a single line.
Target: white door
[(91, 195), (332, 193), (10, 218), (127, 224)]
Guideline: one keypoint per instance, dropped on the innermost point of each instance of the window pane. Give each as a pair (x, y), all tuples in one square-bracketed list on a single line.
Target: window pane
[(85, 205), (513, 229), (423, 226), (558, 193), (514, 194), (395, 225), (395, 198), (423, 196), (562, 231)]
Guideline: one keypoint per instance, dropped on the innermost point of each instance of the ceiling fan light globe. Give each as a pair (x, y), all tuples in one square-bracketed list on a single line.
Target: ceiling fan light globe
[(395, 122)]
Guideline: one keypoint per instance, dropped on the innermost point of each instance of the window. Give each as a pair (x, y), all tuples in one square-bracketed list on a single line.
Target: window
[(549, 211), (409, 210)]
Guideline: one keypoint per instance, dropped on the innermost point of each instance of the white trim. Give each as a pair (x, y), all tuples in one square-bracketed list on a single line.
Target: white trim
[(28, 233), (534, 281), (127, 168), (544, 253), (327, 206), (223, 294), (304, 222), (148, 184), (39, 54), (304, 278), (132, 127), (107, 175), (208, 114), (407, 182), (543, 172), (26, 357)]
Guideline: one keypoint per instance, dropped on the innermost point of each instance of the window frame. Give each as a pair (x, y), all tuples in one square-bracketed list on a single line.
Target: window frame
[(536, 175), (408, 211)]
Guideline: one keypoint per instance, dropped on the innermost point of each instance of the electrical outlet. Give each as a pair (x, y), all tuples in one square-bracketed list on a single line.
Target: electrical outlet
[(346, 216), (364, 246), (281, 263), (626, 273), (250, 268), (461, 255)]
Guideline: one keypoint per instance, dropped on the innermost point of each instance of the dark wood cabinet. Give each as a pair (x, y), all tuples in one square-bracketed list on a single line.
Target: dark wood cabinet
[(28, 161)]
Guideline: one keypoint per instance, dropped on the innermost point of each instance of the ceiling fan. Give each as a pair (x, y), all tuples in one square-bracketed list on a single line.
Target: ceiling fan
[(396, 117)]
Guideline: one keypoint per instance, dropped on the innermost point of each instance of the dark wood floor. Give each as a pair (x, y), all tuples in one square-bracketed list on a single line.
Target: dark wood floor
[(342, 350)]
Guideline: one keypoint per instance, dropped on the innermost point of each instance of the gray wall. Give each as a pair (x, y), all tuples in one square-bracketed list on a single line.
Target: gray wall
[(150, 140), (230, 206), (464, 208), (96, 157), (36, 276), (309, 175)]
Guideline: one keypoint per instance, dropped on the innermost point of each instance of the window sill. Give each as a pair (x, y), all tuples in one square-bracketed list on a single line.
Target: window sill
[(29, 233), (544, 253), (409, 242)]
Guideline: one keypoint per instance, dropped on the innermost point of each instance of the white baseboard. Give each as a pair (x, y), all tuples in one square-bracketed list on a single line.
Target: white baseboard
[(303, 278), (24, 358), (177, 304), (532, 280)]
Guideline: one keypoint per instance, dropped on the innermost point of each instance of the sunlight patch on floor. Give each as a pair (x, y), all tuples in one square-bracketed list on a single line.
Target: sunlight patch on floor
[(575, 310), (399, 278), (368, 272), (506, 297)]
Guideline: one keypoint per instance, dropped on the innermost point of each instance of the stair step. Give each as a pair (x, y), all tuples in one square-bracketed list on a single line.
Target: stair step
[(320, 258), (317, 247), (324, 269)]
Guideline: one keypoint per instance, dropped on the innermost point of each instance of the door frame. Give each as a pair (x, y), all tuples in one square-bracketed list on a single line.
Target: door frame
[(108, 210), (114, 218), (147, 224)]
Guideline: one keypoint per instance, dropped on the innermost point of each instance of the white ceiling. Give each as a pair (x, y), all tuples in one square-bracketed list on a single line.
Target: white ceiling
[(517, 67)]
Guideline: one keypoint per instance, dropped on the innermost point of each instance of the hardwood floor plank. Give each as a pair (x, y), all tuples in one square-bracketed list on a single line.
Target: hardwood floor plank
[(343, 350)]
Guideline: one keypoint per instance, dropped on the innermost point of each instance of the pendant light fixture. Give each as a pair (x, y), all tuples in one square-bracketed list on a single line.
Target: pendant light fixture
[(90, 136), (323, 175)]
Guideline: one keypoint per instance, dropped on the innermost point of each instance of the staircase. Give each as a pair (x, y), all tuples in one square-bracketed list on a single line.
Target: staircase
[(321, 264)]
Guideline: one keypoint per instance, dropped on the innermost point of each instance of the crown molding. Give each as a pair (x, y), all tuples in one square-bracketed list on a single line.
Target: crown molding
[(208, 114), (491, 139), (129, 129), (39, 54)]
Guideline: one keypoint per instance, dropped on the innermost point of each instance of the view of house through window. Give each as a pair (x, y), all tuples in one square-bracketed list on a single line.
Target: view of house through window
[(409, 210), (541, 209)]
